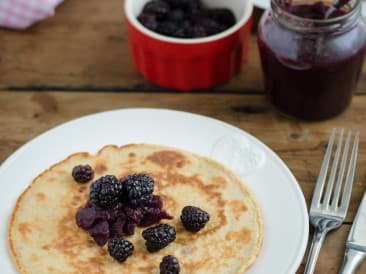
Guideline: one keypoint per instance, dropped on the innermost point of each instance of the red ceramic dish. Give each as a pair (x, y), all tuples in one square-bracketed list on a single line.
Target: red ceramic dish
[(188, 64)]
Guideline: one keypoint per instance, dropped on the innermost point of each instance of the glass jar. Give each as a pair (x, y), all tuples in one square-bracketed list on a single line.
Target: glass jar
[(310, 64)]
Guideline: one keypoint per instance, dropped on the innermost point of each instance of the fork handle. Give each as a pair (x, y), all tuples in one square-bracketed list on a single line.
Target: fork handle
[(352, 259), (316, 244)]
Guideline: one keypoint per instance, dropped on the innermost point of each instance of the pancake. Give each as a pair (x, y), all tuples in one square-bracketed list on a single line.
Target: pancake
[(44, 237)]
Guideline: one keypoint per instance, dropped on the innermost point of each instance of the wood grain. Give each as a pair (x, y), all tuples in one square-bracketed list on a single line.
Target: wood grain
[(85, 47), (24, 115)]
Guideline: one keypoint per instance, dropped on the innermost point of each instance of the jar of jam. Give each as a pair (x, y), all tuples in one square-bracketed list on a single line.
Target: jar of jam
[(312, 55)]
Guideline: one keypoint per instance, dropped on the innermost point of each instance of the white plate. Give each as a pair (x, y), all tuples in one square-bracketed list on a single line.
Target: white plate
[(278, 193)]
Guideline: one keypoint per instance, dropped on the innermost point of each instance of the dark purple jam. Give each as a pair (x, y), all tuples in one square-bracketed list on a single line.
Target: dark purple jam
[(317, 11), (307, 74)]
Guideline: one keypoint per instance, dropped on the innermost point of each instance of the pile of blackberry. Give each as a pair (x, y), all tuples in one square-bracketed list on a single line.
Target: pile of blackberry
[(116, 207), (185, 18)]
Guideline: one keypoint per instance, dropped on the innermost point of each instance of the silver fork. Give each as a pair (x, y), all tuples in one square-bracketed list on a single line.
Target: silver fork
[(326, 211)]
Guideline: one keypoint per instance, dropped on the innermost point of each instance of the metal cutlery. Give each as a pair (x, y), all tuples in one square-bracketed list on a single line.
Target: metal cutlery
[(356, 242), (328, 209)]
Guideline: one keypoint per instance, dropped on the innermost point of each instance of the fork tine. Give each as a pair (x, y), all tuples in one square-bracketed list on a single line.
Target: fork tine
[(335, 200), (350, 175), (323, 172), (333, 171)]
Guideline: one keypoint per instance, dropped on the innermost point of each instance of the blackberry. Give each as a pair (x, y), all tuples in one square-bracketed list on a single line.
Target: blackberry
[(100, 232), (157, 7), (149, 21), (156, 202), (222, 16), (120, 249), (82, 173), (193, 218), (158, 237), (134, 215), (118, 189), (85, 217), (189, 5), (138, 188), (175, 3), (180, 33), (211, 26), (154, 212), (168, 28), (116, 227), (176, 15), (193, 6), (106, 191), (198, 31), (169, 265)]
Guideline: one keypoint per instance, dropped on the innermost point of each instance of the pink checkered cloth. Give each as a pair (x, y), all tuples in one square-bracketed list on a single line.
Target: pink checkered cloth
[(20, 14)]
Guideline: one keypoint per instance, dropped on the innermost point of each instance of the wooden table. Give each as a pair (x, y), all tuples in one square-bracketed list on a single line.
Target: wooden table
[(78, 63)]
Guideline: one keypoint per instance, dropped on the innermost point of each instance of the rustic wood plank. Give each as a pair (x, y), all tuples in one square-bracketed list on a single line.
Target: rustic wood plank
[(23, 115), (84, 46)]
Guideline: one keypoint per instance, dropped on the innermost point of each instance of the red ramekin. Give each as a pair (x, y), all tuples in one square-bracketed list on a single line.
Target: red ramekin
[(188, 64)]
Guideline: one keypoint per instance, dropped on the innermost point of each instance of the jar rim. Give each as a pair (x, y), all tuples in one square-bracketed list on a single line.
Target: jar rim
[(317, 25)]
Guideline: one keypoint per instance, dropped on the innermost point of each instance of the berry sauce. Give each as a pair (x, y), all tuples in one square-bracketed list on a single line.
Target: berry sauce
[(310, 75)]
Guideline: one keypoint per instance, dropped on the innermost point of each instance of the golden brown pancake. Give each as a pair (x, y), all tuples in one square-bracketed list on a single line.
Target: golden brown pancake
[(44, 237)]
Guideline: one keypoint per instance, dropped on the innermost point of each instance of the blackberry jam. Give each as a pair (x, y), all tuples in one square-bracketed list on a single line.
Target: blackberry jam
[(311, 56)]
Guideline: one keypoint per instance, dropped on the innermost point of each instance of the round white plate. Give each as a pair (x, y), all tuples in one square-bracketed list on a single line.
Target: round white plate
[(277, 191)]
